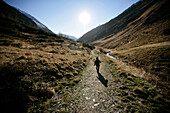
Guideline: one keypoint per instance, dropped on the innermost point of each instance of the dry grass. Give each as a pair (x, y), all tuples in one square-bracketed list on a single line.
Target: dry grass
[(125, 67), (134, 36), (32, 68), (150, 62), (151, 27), (143, 45)]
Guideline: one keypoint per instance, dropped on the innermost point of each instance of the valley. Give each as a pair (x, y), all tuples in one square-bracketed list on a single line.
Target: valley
[(114, 90), (110, 90), (41, 71), (139, 37)]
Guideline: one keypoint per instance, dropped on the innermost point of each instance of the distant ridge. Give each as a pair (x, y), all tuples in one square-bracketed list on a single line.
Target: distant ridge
[(68, 36), (14, 15), (39, 24)]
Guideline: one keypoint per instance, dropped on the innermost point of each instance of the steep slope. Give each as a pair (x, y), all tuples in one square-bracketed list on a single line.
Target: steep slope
[(39, 24), (139, 36), (9, 12), (143, 13), (35, 65), (13, 20), (152, 26)]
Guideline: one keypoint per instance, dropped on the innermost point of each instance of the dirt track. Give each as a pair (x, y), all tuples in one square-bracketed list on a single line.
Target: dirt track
[(93, 91)]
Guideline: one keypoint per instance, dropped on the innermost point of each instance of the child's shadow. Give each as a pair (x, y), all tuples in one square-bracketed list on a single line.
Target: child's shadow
[(102, 79)]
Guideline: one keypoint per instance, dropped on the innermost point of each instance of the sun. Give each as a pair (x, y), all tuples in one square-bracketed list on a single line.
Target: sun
[(84, 18)]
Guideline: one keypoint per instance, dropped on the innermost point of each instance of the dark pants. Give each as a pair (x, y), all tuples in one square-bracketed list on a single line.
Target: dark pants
[(97, 68)]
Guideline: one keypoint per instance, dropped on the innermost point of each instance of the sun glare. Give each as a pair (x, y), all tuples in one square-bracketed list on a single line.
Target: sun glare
[(84, 18)]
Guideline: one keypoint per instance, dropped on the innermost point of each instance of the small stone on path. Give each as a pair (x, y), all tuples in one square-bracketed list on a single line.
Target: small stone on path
[(96, 104)]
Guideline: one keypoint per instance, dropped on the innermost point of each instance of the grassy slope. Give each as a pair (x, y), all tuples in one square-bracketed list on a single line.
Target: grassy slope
[(146, 11), (34, 64), (125, 92), (144, 42), (153, 58), (8, 12), (33, 68), (137, 35)]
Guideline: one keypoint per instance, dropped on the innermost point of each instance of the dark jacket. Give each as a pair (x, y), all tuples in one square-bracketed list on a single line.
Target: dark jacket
[(97, 62)]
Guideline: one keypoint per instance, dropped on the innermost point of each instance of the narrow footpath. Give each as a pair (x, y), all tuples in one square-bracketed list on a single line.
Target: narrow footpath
[(92, 92)]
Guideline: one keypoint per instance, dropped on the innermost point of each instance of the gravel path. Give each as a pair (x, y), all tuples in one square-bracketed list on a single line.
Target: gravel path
[(108, 91), (92, 92)]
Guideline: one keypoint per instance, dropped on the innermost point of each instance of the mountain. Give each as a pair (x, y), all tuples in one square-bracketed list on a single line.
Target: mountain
[(140, 36), (67, 36), (141, 14), (44, 72), (12, 20), (71, 37), (35, 64), (39, 24)]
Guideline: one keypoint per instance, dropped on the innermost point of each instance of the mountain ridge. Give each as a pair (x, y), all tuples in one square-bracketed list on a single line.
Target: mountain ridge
[(68, 36), (45, 72), (144, 24), (39, 24), (35, 65), (13, 15), (123, 20)]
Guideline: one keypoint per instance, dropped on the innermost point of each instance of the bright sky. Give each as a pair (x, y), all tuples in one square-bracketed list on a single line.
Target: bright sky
[(64, 15)]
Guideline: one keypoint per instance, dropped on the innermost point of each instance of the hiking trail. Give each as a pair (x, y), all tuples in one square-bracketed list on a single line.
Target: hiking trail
[(93, 94), (109, 91)]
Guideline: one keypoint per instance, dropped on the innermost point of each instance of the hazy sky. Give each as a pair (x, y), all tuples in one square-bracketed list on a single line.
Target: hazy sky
[(63, 15)]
